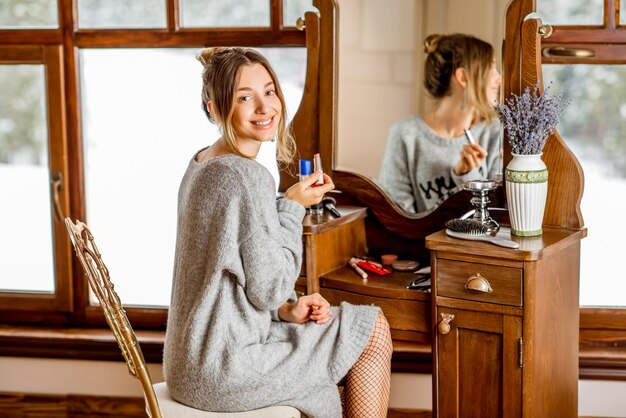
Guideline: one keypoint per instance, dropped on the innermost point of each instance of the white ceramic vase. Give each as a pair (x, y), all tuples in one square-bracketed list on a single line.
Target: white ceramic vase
[(526, 192)]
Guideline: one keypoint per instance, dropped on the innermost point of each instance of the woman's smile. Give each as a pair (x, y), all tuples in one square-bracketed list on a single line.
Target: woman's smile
[(263, 123)]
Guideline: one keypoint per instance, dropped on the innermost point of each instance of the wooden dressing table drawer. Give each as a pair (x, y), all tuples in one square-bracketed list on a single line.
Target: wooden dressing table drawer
[(401, 314), (479, 282), (407, 311)]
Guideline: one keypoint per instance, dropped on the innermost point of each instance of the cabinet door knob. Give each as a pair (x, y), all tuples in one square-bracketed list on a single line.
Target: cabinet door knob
[(444, 324), (478, 283)]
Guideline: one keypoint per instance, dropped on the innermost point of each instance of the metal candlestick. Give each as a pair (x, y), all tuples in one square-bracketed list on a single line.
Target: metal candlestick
[(480, 190)]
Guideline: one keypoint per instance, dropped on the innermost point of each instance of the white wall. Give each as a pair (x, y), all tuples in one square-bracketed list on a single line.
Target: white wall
[(110, 378)]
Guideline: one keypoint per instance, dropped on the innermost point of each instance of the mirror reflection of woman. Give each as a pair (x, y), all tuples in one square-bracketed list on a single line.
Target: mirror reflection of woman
[(427, 158), (237, 336)]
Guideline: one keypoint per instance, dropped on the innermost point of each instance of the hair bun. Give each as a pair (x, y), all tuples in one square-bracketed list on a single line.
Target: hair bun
[(432, 42), (206, 54)]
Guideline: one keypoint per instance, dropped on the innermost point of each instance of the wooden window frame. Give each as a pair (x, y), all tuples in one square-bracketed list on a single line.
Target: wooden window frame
[(76, 330), (59, 50), (602, 329), (51, 57)]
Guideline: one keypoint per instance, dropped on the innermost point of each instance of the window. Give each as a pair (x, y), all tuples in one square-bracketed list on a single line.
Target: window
[(141, 158), (589, 64), (101, 127), (24, 180)]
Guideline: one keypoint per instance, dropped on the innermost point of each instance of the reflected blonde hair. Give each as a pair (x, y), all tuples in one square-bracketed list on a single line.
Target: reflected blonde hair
[(446, 53), (222, 68)]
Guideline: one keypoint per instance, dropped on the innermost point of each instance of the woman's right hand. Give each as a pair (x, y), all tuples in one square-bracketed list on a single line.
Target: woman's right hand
[(471, 157), (311, 307), (307, 193)]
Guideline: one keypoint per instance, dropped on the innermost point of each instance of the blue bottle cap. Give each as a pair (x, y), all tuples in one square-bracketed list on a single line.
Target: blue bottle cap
[(305, 168)]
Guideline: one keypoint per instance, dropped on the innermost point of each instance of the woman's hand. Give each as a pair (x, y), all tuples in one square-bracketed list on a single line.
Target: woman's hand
[(307, 308), (471, 157), (307, 193)]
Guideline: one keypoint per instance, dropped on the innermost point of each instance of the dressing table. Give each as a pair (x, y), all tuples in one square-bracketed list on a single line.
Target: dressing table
[(509, 352)]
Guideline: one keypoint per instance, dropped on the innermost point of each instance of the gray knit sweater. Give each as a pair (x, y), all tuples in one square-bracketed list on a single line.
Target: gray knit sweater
[(238, 254), (417, 168)]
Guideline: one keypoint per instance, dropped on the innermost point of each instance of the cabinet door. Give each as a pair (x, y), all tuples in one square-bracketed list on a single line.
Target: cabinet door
[(478, 365)]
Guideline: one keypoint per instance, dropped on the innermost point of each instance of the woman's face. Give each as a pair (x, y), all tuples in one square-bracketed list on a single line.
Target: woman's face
[(257, 108), (493, 83)]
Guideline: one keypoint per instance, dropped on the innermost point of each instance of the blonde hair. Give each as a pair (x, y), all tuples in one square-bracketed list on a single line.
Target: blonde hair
[(222, 67), (446, 53)]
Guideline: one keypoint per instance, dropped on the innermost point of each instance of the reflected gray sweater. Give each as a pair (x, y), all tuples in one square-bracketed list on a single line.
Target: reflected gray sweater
[(238, 254), (417, 168)]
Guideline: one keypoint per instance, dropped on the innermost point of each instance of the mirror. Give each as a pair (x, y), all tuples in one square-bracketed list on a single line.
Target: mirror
[(381, 62)]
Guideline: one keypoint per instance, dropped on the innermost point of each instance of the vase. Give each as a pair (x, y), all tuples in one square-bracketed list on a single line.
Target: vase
[(526, 192)]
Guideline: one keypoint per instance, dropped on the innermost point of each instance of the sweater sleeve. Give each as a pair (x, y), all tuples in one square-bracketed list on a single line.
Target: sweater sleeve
[(395, 177), (272, 254)]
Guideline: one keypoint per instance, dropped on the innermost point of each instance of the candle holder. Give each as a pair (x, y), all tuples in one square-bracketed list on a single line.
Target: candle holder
[(480, 190)]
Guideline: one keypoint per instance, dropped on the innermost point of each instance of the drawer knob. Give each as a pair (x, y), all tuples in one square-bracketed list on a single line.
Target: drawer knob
[(444, 324), (478, 283)]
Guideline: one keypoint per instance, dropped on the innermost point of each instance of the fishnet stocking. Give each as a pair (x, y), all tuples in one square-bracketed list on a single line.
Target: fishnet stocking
[(366, 394)]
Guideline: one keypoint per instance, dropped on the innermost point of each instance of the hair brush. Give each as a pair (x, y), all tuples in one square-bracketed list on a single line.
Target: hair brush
[(474, 230)]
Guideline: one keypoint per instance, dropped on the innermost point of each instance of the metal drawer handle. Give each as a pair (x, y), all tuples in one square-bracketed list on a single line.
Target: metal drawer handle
[(478, 283), (56, 183), (300, 24), (560, 51), (444, 325)]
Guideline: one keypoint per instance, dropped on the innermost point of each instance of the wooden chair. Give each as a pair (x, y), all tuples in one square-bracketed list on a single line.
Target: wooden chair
[(159, 403)]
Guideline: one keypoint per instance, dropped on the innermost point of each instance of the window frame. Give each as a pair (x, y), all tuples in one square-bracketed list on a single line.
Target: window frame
[(59, 50), (602, 329), (51, 57), (609, 44)]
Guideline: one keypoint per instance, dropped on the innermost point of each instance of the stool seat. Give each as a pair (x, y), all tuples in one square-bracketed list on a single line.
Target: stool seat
[(172, 409)]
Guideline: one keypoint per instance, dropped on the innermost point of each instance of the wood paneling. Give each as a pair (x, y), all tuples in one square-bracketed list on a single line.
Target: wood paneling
[(331, 242), (20, 405)]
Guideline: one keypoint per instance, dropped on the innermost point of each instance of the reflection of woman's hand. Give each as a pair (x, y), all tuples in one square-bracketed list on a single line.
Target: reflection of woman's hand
[(307, 193), (471, 157), (307, 308)]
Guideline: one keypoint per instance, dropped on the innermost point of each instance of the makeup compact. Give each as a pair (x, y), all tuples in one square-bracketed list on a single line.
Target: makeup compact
[(405, 265), (388, 259)]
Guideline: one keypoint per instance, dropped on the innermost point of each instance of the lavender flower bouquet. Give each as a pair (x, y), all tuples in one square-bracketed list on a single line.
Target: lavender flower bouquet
[(529, 119)]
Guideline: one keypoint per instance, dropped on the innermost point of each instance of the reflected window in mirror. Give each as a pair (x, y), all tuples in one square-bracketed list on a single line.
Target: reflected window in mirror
[(593, 127)]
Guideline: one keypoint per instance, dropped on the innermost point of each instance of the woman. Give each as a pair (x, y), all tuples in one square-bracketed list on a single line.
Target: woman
[(237, 337), (426, 159)]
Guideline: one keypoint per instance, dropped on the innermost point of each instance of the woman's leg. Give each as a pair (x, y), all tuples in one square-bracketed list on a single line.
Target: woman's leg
[(366, 393)]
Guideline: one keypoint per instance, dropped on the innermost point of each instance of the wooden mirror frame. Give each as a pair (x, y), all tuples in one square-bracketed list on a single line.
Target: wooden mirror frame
[(389, 228), (521, 61)]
